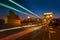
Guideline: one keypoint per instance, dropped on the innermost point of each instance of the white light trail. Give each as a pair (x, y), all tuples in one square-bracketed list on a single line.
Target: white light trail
[(9, 29), (17, 35), (4, 5), (17, 28), (24, 8)]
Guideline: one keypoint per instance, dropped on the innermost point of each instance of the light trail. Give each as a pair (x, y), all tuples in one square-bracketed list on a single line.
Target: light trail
[(26, 31), (17, 28), (4, 5), (10, 29), (24, 8)]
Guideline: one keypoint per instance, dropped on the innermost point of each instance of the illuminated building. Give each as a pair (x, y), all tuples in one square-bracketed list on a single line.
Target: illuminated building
[(48, 17), (12, 19)]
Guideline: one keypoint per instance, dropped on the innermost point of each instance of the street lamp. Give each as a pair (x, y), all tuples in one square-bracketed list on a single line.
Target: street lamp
[(29, 21), (28, 17)]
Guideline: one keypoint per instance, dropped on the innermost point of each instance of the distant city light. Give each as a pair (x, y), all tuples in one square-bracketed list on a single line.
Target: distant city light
[(24, 8), (4, 5), (50, 15), (28, 17)]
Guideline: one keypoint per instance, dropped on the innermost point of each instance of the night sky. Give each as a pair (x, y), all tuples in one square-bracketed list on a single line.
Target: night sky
[(39, 7)]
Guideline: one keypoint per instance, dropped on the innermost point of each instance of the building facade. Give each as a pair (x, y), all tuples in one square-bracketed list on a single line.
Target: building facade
[(12, 19), (48, 17)]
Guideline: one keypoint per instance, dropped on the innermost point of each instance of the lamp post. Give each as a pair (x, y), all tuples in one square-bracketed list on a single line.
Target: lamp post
[(28, 19)]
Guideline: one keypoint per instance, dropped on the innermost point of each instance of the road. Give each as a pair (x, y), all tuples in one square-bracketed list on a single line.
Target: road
[(30, 33)]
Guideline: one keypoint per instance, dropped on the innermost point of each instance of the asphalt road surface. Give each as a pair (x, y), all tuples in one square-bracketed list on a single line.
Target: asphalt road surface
[(30, 33)]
